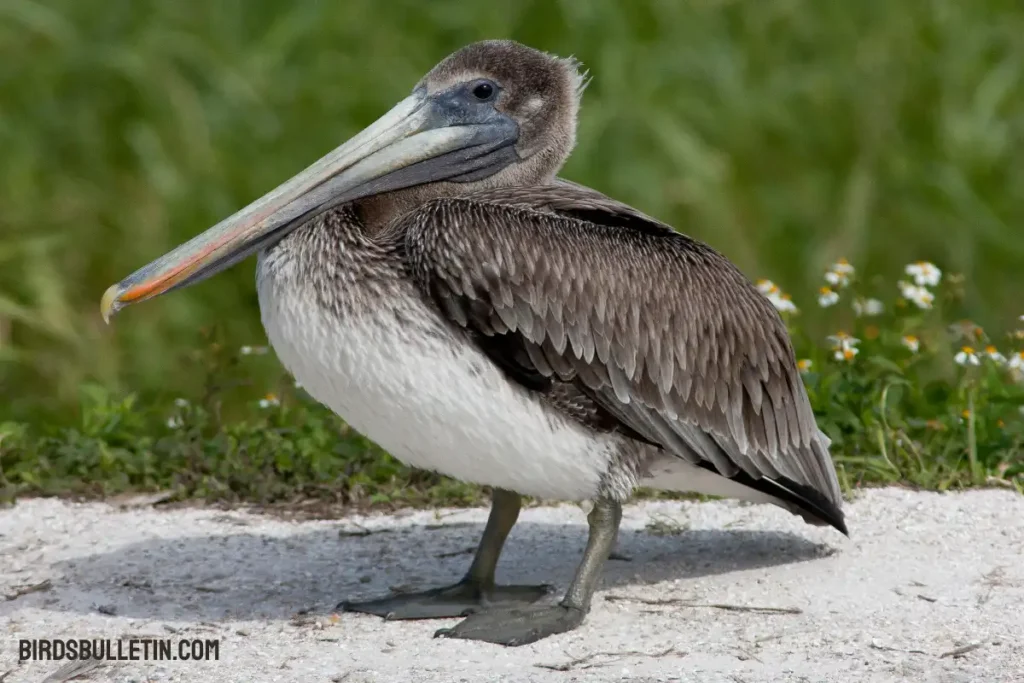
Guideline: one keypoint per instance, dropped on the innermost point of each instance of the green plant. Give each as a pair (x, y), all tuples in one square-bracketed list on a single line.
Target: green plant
[(911, 393)]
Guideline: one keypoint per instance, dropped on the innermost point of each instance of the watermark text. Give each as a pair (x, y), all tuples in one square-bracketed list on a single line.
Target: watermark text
[(114, 649)]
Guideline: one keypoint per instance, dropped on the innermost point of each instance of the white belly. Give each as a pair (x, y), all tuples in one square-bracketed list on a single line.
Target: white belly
[(431, 403)]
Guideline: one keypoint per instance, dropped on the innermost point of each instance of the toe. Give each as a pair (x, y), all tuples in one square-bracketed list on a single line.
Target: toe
[(439, 603), (515, 626)]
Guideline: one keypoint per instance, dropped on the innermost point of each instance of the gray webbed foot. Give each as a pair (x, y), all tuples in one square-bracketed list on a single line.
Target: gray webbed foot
[(522, 625), (517, 625), (456, 600)]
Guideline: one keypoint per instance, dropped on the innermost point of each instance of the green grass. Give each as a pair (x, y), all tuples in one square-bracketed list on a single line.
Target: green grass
[(786, 133)]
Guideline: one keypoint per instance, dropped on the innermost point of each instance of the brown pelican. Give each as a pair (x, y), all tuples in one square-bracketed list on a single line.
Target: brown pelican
[(434, 283)]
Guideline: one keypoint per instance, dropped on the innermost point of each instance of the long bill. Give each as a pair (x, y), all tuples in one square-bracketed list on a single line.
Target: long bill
[(412, 144)]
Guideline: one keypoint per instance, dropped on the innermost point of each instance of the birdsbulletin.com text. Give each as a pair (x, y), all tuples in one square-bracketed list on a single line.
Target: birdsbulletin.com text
[(126, 649)]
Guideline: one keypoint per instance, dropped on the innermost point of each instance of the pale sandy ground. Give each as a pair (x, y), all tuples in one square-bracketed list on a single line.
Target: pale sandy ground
[(924, 575)]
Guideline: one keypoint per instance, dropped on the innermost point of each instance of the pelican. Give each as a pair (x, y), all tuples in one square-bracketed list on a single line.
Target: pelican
[(437, 285)]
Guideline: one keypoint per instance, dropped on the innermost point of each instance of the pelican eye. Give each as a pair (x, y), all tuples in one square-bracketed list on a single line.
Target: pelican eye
[(484, 90)]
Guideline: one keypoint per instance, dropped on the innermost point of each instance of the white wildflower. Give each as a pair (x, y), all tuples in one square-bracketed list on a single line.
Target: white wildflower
[(842, 340), (923, 298), (804, 364), (925, 274), (1016, 365), (846, 354), (845, 346), (843, 267), (911, 342), (917, 294), (252, 350), (839, 273), (174, 422), (836, 279), (269, 401), (181, 402), (994, 355), (967, 356), (782, 302), (1016, 361), (868, 307), (827, 297)]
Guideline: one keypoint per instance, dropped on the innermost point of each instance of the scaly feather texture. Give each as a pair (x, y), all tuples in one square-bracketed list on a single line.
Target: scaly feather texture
[(660, 329)]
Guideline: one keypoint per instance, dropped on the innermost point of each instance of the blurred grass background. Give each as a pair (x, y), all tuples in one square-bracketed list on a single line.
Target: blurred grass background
[(786, 133)]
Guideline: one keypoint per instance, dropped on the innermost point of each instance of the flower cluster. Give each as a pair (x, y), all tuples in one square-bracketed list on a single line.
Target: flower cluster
[(925, 275), (844, 347), (269, 401), (972, 351), (783, 302), (918, 295), (838, 276)]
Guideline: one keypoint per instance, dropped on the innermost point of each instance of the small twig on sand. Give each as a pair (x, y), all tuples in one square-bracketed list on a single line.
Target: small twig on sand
[(355, 529), (456, 553), (919, 596), (19, 591), (709, 605), (586, 661), (445, 527), (745, 655), (885, 648), (961, 651)]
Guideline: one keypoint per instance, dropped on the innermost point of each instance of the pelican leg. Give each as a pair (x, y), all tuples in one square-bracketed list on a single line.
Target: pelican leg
[(477, 590), (522, 625)]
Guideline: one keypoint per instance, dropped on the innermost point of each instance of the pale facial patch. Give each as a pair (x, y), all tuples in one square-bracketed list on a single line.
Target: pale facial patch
[(533, 105)]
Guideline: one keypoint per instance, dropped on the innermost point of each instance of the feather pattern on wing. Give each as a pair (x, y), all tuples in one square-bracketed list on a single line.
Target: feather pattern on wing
[(663, 331)]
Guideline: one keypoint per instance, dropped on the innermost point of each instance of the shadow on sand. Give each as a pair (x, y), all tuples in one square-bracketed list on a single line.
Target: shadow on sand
[(256, 576)]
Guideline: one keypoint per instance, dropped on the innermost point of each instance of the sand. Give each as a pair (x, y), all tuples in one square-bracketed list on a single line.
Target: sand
[(930, 587)]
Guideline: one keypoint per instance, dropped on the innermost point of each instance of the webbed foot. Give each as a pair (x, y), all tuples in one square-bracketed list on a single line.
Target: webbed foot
[(516, 625), (456, 600)]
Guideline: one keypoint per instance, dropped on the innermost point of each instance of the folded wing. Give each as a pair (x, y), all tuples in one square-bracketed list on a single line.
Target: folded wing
[(660, 329)]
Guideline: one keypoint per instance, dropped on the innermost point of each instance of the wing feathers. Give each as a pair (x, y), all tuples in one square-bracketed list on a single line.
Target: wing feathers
[(662, 330)]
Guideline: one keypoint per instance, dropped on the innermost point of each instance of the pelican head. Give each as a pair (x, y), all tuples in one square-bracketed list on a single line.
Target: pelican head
[(493, 113)]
